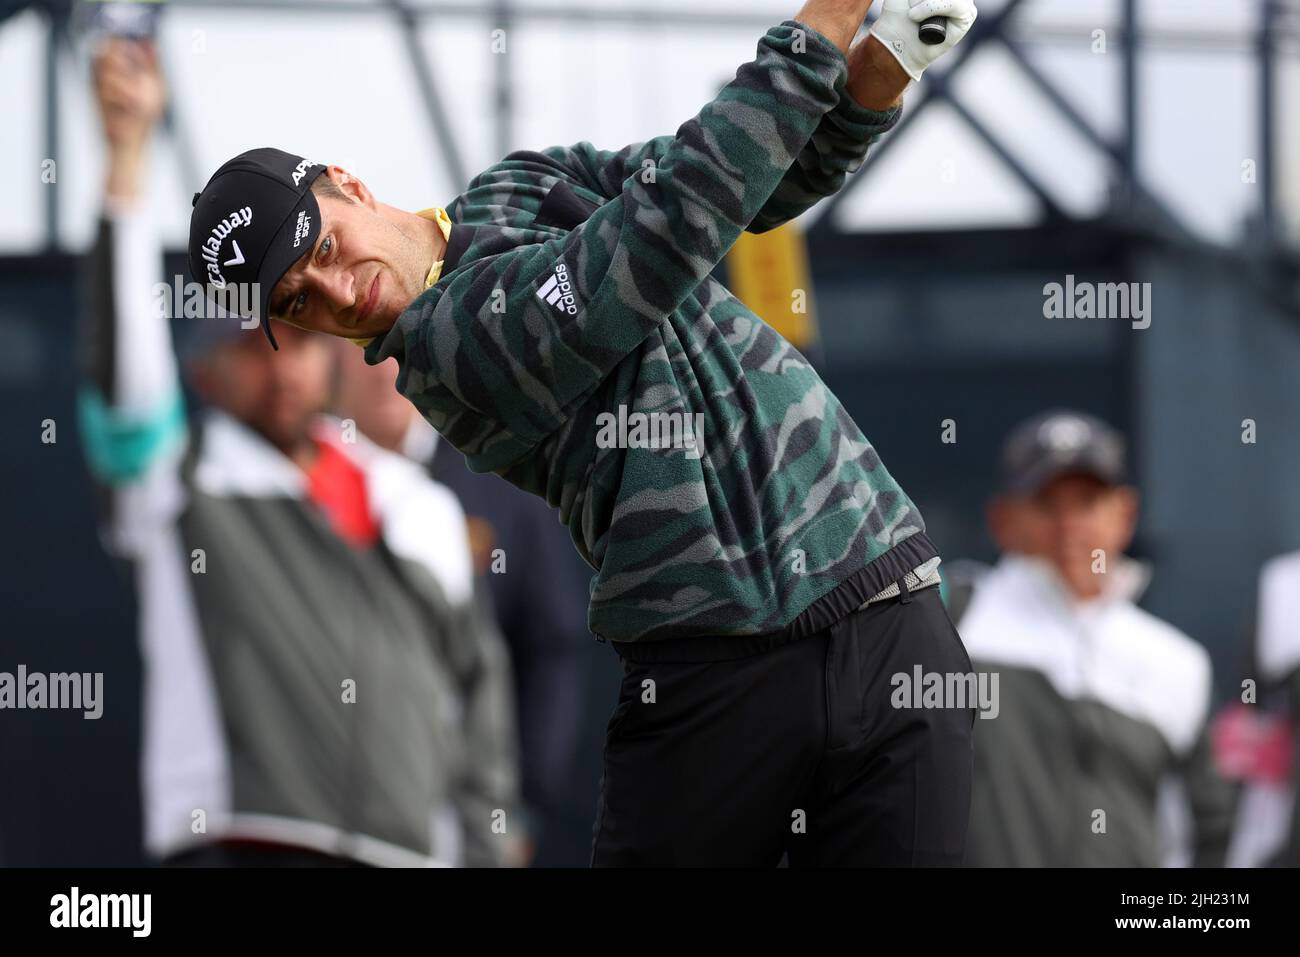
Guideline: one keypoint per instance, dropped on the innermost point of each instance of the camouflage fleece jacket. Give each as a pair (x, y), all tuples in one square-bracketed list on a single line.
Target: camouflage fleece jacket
[(576, 292)]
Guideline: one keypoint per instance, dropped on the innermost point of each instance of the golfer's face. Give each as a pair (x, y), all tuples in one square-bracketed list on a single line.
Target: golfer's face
[(360, 276)]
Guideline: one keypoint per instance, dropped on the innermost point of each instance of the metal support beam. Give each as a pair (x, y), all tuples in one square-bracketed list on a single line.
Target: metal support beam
[(984, 28), (1266, 171), (179, 135), (444, 135), (52, 126), (184, 147), (1130, 92), (686, 17), (502, 87), (1151, 204), (1051, 210)]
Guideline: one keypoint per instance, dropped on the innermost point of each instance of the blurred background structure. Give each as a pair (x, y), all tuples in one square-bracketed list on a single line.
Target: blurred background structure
[(1149, 141)]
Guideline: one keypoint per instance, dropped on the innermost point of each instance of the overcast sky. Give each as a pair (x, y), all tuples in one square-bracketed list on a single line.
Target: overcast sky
[(338, 88)]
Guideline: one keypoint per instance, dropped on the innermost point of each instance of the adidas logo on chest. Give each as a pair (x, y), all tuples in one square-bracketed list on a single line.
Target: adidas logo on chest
[(558, 291)]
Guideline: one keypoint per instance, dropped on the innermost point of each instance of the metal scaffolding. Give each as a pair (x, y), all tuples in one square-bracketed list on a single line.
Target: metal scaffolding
[(1131, 202)]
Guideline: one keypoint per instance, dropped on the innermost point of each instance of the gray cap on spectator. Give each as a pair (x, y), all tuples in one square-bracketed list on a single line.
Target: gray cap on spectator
[(1061, 442)]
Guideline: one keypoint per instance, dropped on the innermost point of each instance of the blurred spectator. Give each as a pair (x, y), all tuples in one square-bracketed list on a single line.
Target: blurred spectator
[(535, 581), (1101, 706), (312, 654), (1259, 740)]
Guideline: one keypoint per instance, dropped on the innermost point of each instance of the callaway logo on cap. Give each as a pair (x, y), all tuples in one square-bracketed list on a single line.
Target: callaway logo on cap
[(251, 223)]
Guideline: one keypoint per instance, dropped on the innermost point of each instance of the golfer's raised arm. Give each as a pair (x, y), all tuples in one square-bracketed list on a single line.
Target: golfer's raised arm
[(835, 148), (624, 270), (869, 105)]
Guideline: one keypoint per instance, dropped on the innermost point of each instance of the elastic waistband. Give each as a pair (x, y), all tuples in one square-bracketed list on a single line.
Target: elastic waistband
[(845, 598)]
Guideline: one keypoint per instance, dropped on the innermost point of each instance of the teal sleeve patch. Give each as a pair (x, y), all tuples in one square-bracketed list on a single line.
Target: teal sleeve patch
[(120, 448)]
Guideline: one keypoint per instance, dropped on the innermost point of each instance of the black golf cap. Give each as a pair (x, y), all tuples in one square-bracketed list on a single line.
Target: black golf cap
[(255, 219), (1061, 442)]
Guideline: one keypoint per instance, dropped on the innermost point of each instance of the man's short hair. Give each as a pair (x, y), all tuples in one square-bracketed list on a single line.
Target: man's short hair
[(323, 187)]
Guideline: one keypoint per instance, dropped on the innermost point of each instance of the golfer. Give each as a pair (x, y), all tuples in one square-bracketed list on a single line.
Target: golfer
[(762, 575)]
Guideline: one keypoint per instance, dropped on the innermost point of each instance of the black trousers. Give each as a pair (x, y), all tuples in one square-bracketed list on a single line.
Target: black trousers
[(796, 751)]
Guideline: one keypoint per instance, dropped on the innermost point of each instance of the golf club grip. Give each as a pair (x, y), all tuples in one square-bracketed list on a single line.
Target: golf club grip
[(933, 31)]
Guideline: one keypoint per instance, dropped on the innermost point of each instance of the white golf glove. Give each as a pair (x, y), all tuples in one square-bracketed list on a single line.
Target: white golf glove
[(900, 20)]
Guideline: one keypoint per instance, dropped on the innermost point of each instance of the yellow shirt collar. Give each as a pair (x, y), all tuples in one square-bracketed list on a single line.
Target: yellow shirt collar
[(439, 216)]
